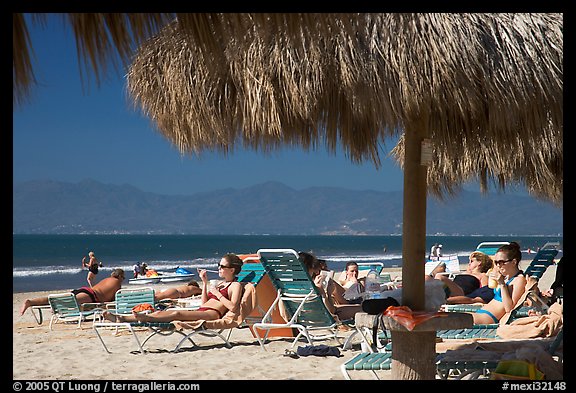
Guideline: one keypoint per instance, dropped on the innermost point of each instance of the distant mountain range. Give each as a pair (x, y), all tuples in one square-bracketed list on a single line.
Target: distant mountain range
[(51, 207)]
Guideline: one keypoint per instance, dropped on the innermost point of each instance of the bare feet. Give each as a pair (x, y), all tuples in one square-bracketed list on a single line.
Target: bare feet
[(141, 317), (111, 317), (25, 306)]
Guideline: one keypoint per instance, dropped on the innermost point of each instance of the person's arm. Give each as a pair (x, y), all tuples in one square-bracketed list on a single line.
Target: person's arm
[(235, 290), (205, 289), (518, 287), (326, 298)]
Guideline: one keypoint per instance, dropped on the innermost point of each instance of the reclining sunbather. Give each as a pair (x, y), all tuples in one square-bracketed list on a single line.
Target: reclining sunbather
[(511, 285), (474, 278), (332, 295), (102, 292), (183, 291), (216, 301)]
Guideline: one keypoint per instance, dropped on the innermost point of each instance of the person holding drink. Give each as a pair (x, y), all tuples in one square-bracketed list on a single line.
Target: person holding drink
[(508, 283), (216, 300)]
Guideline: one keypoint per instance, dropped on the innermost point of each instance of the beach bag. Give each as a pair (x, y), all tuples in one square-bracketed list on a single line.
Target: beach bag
[(517, 370), (376, 306), (318, 350)]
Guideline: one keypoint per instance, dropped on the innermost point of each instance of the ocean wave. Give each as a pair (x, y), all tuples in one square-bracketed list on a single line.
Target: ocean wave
[(34, 271)]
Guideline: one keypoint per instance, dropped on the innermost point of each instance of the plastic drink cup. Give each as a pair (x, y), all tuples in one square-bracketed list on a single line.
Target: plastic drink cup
[(492, 283)]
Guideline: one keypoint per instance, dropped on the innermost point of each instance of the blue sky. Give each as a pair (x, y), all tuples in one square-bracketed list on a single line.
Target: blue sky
[(71, 131)]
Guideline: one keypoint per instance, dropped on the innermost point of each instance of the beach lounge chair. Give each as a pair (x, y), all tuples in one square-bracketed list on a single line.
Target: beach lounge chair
[(479, 363), (188, 329), (488, 330), (124, 301), (65, 308), (297, 297), (490, 248), (371, 362), (38, 312), (365, 267), (543, 259)]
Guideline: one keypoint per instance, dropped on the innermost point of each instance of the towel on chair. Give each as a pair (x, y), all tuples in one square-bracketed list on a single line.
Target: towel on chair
[(547, 325), (231, 319)]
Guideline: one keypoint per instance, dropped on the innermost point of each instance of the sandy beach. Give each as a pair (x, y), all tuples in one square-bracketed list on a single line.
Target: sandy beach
[(69, 353)]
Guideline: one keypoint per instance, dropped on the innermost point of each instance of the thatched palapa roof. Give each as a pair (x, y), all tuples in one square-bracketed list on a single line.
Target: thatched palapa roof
[(489, 86)]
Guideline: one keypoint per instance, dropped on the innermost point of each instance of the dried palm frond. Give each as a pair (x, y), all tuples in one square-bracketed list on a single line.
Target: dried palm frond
[(489, 85)]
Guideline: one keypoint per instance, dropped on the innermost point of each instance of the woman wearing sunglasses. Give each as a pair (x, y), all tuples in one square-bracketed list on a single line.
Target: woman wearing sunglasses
[(216, 300), (511, 285)]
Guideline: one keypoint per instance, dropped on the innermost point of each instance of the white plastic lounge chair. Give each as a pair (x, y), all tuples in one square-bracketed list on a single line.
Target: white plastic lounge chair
[(480, 363), (490, 248), (125, 300), (211, 328), (65, 308), (37, 312)]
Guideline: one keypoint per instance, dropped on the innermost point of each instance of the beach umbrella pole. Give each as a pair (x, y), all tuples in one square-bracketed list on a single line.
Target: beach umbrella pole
[(413, 353)]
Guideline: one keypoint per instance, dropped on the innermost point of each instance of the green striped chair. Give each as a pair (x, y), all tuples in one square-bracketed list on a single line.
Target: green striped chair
[(65, 308), (125, 300), (371, 362), (543, 259), (483, 364), (297, 294)]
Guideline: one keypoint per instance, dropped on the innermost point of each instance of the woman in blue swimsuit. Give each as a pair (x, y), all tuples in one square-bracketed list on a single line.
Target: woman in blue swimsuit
[(511, 285)]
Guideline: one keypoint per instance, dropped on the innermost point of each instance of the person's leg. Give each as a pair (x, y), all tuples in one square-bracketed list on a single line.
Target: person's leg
[(39, 301), (163, 316), (82, 297), (90, 279), (337, 292), (177, 315), (347, 311)]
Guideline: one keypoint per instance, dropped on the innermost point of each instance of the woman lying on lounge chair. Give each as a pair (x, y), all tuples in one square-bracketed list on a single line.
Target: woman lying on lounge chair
[(466, 283), (190, 289), (511, 285), (216, 301)]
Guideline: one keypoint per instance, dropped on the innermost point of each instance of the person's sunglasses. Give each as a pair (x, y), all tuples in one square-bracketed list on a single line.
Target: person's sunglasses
[(502, 262), (224, 267)]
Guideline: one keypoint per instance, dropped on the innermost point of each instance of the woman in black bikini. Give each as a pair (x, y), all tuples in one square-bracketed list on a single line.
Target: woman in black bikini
[(216, 301), (92, 264), (474, 278)]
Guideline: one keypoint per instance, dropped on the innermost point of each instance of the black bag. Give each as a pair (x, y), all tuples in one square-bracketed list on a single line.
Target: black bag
[(376, 306), (318, 350)]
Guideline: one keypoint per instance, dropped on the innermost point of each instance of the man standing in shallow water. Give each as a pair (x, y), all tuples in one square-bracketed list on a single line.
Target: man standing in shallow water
[(104, 291)]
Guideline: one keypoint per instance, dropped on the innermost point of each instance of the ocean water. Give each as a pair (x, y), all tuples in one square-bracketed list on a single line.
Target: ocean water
[(53, 262)]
